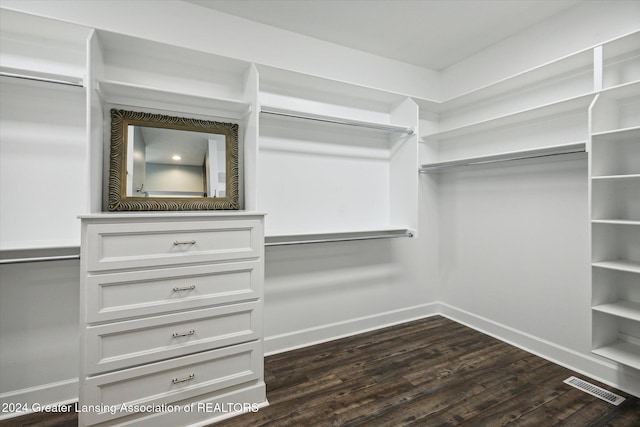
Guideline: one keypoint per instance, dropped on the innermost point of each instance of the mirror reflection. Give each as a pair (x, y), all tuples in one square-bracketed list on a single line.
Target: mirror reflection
[(160, 163), (175, 163)]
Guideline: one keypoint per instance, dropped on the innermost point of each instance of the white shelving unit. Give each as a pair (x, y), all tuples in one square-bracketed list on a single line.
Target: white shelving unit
[(540, 112), (142, 75), (620, 61), (586, 101), (533, 153), (335, 159), (295, 114), (156, 98), (615, 204)]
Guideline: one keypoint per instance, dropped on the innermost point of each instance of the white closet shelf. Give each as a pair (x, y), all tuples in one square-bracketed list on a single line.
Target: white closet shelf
[(274, 79), (580, 62), (295, 114), (623, 91), (620, 308), (576, 147), (622, 46), (575, 104), (575, 63), (625, 134), (619, 265), (142, 96), (623, 352), (339, 236)]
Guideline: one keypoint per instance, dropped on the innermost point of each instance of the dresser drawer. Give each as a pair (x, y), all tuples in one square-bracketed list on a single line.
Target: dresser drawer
[(164, 383), (153, 244), (119, 295), (135, 342)]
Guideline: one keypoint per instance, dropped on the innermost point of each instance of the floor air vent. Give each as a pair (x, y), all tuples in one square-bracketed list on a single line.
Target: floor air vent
[(594, 390)]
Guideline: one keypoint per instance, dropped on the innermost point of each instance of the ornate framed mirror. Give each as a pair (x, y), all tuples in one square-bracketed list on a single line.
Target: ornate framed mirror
[(162, 163)]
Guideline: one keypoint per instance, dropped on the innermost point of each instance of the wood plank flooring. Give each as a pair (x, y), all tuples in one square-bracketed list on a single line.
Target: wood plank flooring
[(430, 372)]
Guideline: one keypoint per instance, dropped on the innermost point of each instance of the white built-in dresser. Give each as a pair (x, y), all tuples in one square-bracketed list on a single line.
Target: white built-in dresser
[(170, 317)]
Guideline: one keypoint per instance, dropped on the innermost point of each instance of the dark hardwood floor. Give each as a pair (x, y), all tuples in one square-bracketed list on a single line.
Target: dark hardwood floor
[(430, 372)]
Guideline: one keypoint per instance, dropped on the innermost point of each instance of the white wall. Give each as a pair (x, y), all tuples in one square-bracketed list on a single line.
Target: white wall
[(42, 153), (163, 177), (514, 247), (39, 327)]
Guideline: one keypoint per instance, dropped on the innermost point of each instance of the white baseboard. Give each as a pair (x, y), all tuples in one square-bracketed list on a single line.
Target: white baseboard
[(599, 369), (30, 399), (316, 335)]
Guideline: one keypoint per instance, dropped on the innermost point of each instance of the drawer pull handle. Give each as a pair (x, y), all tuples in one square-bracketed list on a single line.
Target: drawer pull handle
[(184, 288), (184, 334), (188, 242), (182, 380)]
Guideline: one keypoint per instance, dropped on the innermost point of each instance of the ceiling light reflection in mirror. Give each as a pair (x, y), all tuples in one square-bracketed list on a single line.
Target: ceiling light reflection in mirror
[(175, 163)]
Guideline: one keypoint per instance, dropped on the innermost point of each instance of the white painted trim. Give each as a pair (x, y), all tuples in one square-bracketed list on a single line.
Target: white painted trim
[(57, 393), (306, 337), (597, 368)]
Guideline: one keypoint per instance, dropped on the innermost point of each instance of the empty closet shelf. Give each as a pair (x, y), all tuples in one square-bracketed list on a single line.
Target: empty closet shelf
[(578, 147), (625, 309), (335, 120)]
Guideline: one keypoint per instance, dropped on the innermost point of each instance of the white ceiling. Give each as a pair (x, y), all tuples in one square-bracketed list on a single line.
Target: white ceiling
[(429, 33)]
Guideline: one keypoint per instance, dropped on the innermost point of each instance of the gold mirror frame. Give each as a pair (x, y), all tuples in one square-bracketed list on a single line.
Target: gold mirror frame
[(119, 201)]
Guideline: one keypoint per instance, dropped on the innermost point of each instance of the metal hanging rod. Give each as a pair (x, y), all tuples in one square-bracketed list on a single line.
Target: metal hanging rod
[(41, 79), (39, 259), (345, 122), (339, 239), (437, 167)]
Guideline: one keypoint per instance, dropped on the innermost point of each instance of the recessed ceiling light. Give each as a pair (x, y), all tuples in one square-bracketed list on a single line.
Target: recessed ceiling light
[(176, 157)]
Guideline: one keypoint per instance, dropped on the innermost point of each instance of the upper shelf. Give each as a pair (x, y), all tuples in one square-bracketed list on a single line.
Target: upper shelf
[(130, 67), (579, 103), (562, 68), (335, 120), (620, 62), (623, 91), (301, 85), (147, 97), (627, 134), (577, 147)]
